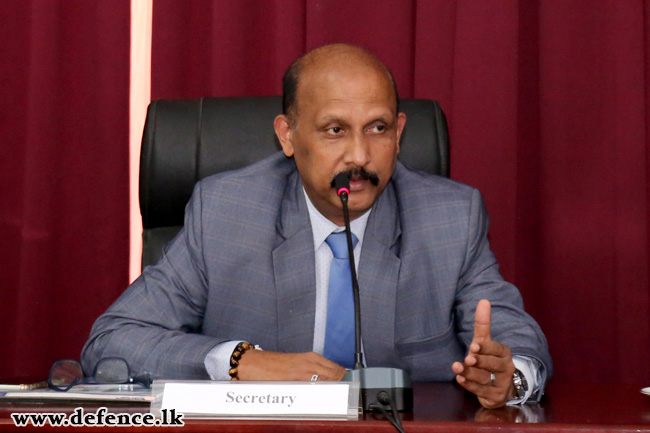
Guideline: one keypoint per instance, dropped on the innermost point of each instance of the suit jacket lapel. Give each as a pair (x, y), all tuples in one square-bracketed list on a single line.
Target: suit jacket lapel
[(295, 279), (294, 271), (378, 275)]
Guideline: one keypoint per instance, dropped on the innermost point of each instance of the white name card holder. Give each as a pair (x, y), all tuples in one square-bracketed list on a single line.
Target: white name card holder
[(257, 399)]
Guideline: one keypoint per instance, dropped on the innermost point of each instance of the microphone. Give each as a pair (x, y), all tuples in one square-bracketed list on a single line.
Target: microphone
[(342, 185), (379, 386)]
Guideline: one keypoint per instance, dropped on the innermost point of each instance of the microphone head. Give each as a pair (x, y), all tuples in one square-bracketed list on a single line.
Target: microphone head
[(341, 183)]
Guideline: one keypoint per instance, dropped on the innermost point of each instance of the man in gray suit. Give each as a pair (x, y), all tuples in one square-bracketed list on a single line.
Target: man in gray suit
[(253, 260)]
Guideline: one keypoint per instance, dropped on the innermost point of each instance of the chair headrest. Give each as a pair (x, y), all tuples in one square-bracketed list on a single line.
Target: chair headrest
[(186, 140)]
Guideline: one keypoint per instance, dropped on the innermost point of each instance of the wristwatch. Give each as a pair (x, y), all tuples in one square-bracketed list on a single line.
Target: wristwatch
[(520, 384)]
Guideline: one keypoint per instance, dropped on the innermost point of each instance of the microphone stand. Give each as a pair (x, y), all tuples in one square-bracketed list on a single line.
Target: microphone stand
[(379, 386), (358, 357)]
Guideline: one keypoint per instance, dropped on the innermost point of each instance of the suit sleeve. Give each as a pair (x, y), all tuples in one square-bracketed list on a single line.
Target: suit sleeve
[(480, 279), (155, 324)]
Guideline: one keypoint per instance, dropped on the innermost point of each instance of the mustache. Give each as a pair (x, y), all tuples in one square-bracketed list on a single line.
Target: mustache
[(359, 173)]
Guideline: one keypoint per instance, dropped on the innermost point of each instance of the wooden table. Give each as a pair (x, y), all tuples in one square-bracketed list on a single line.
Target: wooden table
[(438, 407)]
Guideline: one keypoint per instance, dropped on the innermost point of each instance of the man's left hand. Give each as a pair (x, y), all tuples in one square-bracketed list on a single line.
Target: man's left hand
[(488, 367)]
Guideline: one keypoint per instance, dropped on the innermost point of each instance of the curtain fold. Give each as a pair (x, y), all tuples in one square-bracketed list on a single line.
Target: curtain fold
[(593, 184), (64, 171)]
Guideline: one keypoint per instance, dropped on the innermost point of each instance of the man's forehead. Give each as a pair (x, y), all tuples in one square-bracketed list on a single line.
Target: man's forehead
[(341, 60), (353, 82)]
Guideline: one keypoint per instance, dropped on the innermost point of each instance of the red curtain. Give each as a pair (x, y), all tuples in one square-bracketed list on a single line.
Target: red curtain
[(547, 103), (64, 175)]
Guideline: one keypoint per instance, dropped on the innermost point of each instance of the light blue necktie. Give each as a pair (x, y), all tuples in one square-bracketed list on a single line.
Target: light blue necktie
[(339, 333)]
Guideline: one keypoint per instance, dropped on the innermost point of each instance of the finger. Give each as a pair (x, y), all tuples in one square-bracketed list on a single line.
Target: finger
[(491, 348), (482, 321), (324, 368), (478, 375), (477, 388), (490, 363), (329, 373), (489, 396), (491, 393)]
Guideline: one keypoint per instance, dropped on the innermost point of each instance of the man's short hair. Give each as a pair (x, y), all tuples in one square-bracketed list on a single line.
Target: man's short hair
[(291, 78), (290, 88)]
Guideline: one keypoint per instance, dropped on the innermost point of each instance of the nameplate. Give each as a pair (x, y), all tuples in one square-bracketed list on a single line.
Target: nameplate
[(257, 399)]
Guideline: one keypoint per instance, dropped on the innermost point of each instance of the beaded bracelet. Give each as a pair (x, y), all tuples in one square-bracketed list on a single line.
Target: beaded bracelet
[(236, 356)]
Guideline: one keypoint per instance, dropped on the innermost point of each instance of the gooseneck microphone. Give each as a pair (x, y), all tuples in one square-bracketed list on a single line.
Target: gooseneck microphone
[(380, 386), (342, 186)]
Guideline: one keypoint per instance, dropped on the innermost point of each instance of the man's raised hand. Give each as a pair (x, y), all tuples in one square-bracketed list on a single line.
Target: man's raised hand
[(488, 367)]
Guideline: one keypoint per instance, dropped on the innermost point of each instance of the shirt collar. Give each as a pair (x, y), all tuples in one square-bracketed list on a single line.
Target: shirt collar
[(321, 227)]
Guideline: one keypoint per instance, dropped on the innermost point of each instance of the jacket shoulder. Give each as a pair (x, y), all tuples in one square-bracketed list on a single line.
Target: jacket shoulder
[(268, 171), (251, 194), (418, 185)]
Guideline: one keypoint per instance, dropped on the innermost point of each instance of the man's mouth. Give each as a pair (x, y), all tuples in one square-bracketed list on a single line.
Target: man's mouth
[(358, 184)]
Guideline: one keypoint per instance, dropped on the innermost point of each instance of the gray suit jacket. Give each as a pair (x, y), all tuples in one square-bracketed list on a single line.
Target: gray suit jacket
[(243, 268)]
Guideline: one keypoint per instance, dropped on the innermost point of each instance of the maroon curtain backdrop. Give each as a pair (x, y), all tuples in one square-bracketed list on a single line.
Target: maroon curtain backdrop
[(548, 110), (64, 71)]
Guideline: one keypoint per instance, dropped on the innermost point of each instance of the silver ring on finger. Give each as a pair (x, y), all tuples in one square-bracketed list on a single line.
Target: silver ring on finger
[(493, 377), (314, 378)]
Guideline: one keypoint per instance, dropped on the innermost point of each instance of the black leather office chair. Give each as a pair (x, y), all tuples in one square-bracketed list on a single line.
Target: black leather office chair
[(186, 140)]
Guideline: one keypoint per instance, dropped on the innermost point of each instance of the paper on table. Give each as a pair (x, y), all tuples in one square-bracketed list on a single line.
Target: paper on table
[(112, 392), (22, 387)]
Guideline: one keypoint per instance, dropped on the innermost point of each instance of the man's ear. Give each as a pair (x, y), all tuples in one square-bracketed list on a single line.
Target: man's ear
[(401, 121), (284, 130)]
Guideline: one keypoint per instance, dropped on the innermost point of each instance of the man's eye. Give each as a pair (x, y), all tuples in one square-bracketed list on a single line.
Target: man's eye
[(335, 130), (378, 128)]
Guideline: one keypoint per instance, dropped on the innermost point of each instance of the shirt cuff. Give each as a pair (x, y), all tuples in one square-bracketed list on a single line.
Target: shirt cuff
[(217, 361), (529, 367)]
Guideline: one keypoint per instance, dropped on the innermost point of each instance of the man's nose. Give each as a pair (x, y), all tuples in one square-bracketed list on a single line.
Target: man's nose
[(357, 151)]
